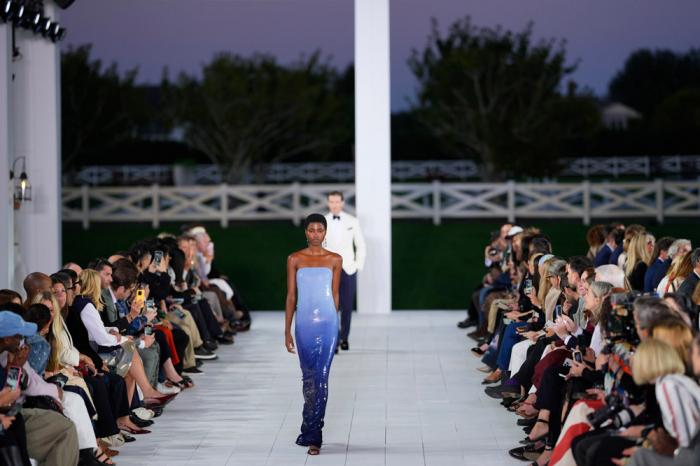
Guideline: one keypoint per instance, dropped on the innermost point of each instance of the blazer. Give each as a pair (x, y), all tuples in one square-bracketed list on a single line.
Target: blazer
[(688, 286), (344, 237)]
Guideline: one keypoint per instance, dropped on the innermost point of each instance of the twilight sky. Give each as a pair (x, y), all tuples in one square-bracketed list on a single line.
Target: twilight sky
[(183, 34)]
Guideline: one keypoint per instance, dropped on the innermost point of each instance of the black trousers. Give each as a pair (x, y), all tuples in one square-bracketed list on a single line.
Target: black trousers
[(205, 320), (181, 341), (527, 370), (348, 289), (599, 447), (13, 444), (106, 424)]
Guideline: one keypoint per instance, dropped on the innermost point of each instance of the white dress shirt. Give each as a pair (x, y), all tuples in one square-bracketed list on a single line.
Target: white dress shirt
[(97, 332), (344, 237)]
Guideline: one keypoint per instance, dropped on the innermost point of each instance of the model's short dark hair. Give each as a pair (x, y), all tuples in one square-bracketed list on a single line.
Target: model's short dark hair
[(315, 218), (337, 193)]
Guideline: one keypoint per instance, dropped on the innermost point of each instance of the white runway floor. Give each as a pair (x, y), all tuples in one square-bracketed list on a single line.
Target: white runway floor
[(405, 394)]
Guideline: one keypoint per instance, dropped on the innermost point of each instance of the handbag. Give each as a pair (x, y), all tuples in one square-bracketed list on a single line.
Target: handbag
[(119, 359)]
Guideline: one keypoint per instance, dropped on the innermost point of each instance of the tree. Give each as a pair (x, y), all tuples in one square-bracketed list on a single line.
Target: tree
[(244, 111), (494, 94), (99, 107), (649, 77)]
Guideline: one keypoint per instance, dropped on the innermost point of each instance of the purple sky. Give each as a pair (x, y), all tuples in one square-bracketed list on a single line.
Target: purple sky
[(183, 34)]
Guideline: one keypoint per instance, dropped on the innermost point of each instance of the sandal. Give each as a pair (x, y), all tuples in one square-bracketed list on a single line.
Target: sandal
[(102, 457), (313, 450)]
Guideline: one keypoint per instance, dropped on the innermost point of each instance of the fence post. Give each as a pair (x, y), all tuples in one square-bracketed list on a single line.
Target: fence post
[(296, 203), (436, 202), (85, 194), (586, 202), (660, 200), (511, 201), (224, 205), (155, 205)]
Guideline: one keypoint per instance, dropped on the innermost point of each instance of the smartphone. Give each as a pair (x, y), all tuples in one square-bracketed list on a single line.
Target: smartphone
[(140, 297), (578, 357), (157, 258), (179, 301), (148, 330), (13, 377), (528, 286), (557, 311)]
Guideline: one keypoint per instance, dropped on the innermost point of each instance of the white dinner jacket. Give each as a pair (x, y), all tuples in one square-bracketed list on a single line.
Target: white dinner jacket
[(344, 237)]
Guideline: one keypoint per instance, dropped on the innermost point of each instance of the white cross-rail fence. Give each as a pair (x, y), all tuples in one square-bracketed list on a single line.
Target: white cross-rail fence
[(401, 171), (435, 201)]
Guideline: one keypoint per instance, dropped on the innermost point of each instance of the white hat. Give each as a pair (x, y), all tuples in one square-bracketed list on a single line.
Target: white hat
[(514, 230)]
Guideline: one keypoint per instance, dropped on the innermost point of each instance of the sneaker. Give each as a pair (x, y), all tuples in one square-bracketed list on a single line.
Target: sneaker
[(144, 414), (167, 390), (203, 353)]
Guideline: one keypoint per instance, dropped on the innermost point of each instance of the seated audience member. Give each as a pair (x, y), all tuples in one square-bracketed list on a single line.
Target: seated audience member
[(42, 434), (688, 286), (658, 264)]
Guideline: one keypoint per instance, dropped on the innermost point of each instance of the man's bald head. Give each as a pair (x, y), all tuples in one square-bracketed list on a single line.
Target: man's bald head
[(35, 283), (74, 267)]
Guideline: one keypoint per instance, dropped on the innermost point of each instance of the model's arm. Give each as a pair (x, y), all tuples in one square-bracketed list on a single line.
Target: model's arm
[(290, 303), (337, 268)]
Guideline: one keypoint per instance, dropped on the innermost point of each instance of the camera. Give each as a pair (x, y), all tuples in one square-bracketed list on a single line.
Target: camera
[(616, 411), (148, 330), (619, 325)]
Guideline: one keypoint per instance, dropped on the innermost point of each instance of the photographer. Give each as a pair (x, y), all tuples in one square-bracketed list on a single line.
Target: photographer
[(658, 364)]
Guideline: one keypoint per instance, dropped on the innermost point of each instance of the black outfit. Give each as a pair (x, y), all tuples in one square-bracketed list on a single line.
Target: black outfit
[(78, 332), (689, 284), (636, 278)]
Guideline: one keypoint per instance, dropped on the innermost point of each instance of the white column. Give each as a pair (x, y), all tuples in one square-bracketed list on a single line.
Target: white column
[(373, 152), (36, 118), (7, 248)]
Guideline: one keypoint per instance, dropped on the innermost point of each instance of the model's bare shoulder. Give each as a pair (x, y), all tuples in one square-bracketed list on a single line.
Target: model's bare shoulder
[(294, 257), (336, 258)]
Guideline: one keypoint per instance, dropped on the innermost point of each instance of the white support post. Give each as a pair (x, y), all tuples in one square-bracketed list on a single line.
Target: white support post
[(373, 152), (36, 121), (7, 240)]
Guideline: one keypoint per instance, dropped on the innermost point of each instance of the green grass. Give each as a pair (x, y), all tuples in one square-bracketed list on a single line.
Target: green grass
[(434, 267)]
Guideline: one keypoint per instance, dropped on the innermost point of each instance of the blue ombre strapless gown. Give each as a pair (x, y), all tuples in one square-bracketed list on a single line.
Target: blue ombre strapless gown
[(316, 332)]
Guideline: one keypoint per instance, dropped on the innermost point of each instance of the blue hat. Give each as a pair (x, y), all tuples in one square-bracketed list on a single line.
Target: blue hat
[(11, 324)]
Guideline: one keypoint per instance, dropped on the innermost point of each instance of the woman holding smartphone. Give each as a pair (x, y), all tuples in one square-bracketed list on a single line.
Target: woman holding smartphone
[(313, 281)]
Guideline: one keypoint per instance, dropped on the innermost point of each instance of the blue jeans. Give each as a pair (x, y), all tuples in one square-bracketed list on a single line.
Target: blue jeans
[(510, 338)]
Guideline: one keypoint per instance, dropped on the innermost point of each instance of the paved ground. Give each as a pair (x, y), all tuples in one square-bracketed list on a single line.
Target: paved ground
[(405, 394)]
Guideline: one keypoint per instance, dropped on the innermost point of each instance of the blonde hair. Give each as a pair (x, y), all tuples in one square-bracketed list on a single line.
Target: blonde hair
[(91, 287), (55, 329), (545, 284), (654, 359), (681, 267), (676, 333), (600, 290), (637, 252)]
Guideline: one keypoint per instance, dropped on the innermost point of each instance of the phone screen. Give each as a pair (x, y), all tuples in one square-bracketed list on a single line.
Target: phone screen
[(148, 330), (578, 357), (157, 257), (557, 311), (12, 379)]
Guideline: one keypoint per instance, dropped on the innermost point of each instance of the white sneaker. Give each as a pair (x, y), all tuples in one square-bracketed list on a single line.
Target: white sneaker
[(167, 390), (144, 414)]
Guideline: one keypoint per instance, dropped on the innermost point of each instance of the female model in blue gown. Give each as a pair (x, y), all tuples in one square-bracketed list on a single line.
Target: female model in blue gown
[(313, 280)]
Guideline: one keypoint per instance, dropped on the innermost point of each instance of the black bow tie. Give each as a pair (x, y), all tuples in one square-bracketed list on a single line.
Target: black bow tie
[(336, 217)]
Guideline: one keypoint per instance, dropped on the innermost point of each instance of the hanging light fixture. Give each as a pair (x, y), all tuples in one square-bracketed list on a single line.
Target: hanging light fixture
[(22, 191)]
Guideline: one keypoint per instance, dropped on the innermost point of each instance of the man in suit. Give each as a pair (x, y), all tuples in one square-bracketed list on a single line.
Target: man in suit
[(344, 237), (688, 286)]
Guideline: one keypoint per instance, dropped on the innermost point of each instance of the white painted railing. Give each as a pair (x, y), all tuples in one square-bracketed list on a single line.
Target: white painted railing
[(437, 201), (314, 172)]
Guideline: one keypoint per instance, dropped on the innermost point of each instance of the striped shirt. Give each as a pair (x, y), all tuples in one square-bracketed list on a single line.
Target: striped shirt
[(679, 399)]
